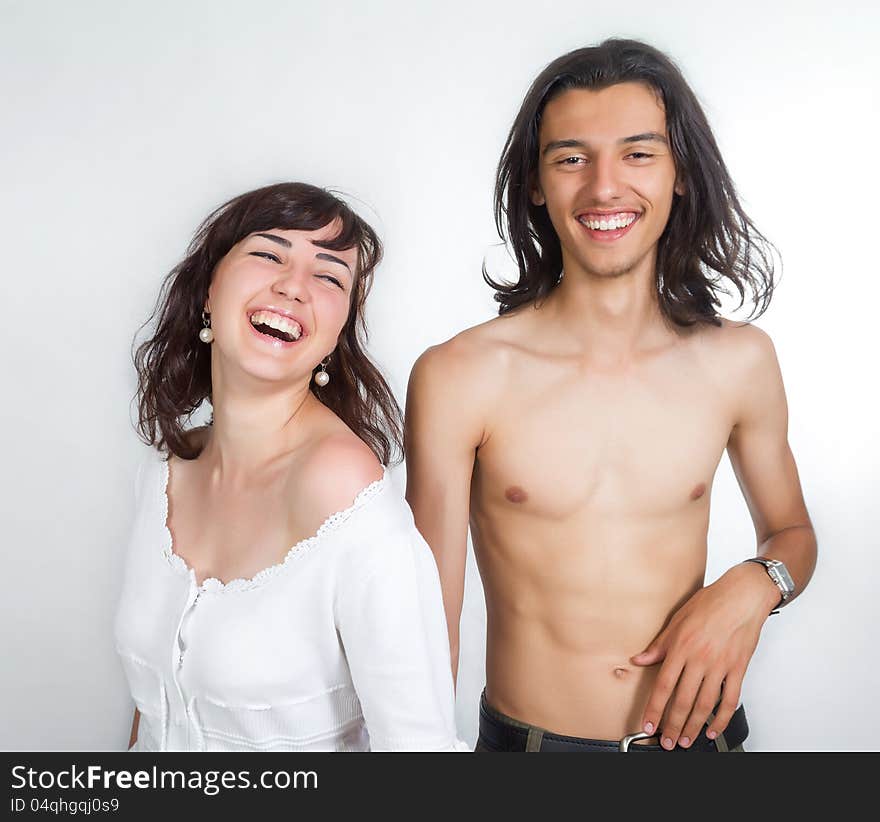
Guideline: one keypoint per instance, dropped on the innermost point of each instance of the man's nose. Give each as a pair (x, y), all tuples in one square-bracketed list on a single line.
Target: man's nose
[(604, 179)]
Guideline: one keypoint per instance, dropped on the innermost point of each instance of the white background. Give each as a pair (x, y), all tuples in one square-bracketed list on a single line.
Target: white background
[(124, 124)]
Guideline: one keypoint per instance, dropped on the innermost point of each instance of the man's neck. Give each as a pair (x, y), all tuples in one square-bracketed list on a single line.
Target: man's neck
[(608, 319)]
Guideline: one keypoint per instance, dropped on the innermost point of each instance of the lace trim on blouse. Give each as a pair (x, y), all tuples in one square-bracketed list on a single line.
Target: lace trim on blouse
[(298, 551)]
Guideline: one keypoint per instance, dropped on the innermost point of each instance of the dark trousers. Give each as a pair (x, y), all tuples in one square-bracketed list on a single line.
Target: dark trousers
[(502, 733)]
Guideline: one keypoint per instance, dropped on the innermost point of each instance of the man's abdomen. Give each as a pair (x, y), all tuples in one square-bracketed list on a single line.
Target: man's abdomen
[(565, 614), (596, 695)]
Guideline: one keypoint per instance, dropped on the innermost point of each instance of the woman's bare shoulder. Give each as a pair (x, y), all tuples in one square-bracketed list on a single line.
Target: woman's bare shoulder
[(336, 468)]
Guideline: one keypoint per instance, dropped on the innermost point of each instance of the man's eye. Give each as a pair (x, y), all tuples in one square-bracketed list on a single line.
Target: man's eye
[(640, 155), (268, 255), (331, 278), (571, 161)]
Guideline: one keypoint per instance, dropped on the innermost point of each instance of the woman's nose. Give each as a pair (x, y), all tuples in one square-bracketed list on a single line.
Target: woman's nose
[(291, 285)]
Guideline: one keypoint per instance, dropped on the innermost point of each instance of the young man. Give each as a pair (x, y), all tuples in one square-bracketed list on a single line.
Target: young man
[(579, 431)]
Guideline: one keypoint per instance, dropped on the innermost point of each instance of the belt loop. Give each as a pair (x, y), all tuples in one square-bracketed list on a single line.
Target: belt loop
[(534, 739), (720, 741)]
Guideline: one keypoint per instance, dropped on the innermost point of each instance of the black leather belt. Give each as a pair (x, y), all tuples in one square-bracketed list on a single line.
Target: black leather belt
[(497, 733)]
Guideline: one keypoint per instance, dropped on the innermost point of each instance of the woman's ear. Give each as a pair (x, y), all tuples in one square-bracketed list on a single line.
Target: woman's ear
[(680, 188)]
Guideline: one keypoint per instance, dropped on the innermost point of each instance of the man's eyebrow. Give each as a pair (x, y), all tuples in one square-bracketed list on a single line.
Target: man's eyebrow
[(321, 255), (553, 145), (274, 238), (646, 136)]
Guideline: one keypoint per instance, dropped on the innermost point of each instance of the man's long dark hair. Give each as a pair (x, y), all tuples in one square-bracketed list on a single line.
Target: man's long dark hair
[(174, 366), (708, 239)]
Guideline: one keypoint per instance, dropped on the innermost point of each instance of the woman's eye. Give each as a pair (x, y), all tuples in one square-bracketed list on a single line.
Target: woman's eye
[(640, 155), (571, 161), (268, 255), (331, 279)]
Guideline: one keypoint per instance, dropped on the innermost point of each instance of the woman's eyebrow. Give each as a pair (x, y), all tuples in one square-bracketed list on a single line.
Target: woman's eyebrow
[(321, 255), (329, 257), (274, 238)]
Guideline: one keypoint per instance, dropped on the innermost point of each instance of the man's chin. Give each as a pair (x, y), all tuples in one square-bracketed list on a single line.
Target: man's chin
[(609, 271)]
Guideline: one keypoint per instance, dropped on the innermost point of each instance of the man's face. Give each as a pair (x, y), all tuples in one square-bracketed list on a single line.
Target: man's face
[(606, 175)]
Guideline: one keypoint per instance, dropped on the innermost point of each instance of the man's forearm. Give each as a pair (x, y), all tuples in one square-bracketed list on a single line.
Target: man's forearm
[(796, 548)]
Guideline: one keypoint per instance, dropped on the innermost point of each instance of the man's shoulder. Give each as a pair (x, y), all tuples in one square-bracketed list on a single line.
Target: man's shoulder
[(488, 346), (740, 350), (738, 341), (479, 350), (460, 380)]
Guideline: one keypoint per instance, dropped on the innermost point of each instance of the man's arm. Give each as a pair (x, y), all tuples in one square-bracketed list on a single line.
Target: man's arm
[(442, 432), (708, 643), (768, 477), (134, 728)]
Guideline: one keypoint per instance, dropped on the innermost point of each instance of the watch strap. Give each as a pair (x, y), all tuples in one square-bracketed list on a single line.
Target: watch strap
[(768, 564)]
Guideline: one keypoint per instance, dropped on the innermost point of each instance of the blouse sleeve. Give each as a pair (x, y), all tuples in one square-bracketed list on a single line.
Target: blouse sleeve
[(139, 478), (390, 619)]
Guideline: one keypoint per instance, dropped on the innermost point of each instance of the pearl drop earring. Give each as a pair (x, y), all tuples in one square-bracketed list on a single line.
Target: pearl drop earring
[(322, 377), (206, 335)]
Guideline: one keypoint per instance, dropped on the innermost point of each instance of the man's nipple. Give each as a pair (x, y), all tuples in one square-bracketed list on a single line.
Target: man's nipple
[(698, 491), (516, 494)]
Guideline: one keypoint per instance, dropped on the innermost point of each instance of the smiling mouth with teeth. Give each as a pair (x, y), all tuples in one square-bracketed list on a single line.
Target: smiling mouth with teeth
[(613, 222), (276, 326)]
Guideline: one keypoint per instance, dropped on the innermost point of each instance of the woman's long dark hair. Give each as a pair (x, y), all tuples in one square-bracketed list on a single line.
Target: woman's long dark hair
[(708, 239), (174, 366)]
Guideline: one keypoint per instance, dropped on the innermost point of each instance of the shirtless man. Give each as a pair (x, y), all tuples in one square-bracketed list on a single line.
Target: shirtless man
[(579, 431)]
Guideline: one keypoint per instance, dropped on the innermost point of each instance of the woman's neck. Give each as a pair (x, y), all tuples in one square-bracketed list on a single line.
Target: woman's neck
[(251, 430)]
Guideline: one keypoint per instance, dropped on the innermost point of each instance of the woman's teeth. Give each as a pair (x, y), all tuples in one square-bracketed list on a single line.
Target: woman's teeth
[(618, 221), (290, 329)]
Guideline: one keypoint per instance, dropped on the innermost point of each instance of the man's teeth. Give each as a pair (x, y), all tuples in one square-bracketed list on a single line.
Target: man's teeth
[(609, 223), (279, 323)]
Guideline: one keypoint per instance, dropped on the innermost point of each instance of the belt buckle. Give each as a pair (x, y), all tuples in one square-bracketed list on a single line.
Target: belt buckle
[(623, 747)]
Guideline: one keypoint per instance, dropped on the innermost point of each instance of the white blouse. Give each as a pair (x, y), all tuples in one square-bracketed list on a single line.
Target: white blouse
[(341, 647)]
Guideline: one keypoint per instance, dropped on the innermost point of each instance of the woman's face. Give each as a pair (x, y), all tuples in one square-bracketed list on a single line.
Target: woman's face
[(278, 302)]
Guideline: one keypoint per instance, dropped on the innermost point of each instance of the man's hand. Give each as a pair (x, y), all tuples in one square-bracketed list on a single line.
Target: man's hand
[(705, 650)]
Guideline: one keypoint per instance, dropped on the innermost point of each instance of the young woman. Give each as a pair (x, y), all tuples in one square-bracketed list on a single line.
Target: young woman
[(230, 638)]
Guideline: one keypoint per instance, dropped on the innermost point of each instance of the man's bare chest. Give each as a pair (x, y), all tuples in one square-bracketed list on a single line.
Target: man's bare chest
[(637, 444)]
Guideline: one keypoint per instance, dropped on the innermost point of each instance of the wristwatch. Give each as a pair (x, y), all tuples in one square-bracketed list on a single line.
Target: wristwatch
[(777, 571)]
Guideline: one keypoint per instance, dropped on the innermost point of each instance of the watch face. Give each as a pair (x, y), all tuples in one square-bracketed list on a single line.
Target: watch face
[(780, 575)]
